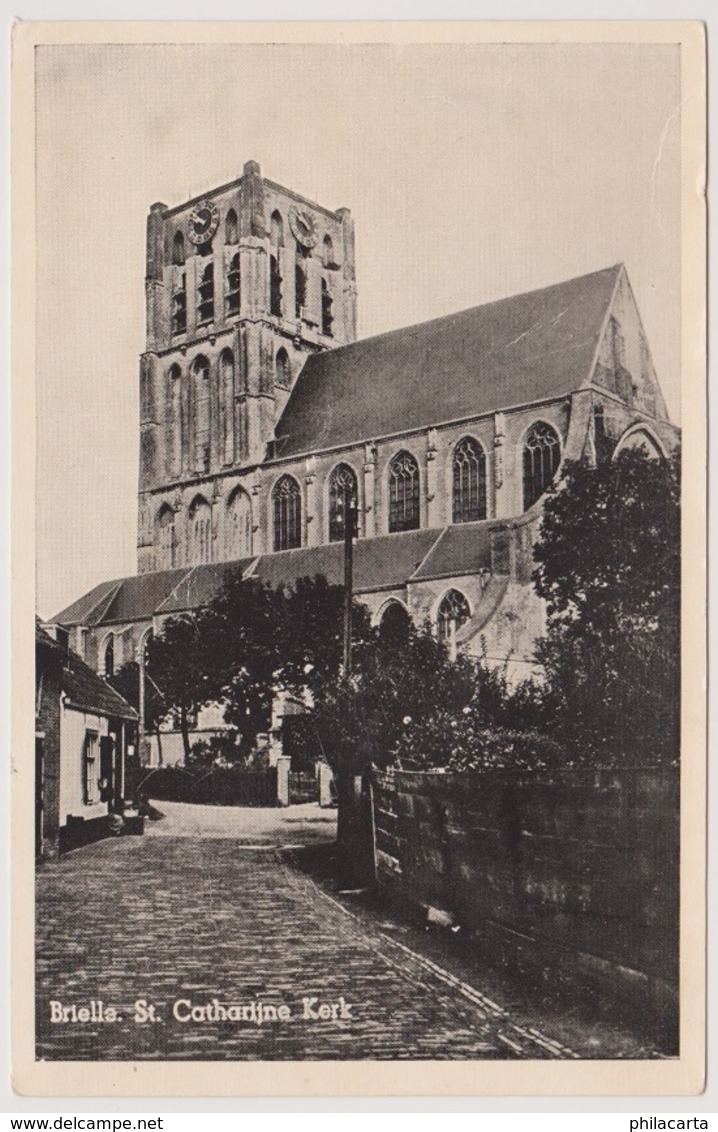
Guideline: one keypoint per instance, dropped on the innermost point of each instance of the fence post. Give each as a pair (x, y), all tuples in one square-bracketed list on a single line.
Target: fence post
[(325, 779), (283, 765)]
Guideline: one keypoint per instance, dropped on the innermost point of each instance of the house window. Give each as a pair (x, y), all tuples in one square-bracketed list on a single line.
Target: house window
[(542, 455), (205, 304), (238, 530), (341, 480), (284, 372), (91, 768), (403, 493), (230, 228), (287, 514), (327, 316), (178, 250), (232, 297), (179, 305), (453, 612), (469, 481), (201, 414), (200, 518)]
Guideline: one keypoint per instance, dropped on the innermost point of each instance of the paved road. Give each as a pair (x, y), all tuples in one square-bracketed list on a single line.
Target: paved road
[(208, 906)]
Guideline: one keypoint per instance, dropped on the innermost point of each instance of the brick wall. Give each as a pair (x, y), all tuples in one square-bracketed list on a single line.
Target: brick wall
[(570, 876)]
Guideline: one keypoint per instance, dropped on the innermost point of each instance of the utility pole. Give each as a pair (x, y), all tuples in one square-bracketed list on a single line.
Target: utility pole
[(349, 505)]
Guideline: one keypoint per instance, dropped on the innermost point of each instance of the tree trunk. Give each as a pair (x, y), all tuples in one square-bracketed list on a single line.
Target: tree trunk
[(160, 756), (185, 735)]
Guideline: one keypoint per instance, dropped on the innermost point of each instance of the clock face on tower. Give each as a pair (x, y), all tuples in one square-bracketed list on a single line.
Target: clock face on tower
[(303, 227), (203, 222)]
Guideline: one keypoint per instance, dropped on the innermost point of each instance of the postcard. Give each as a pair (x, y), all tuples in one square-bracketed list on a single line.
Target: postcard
[(359, 458)]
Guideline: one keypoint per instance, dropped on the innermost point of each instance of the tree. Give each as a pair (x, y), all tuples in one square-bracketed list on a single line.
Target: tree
[(184, 669), (126, 681), (608, 567)]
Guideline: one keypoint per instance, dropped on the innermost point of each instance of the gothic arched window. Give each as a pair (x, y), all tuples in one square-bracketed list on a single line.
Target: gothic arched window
[(276, 230), (452, 613), (328, 251), (469, 481), (109, 658), (200, 381), (165, 537), (300, 289), (541, 458), (179, 304), (287, 514), (341, 480), (226, 406), (327, 316), (205, 302), (284, 372), (178, 250), (230, 228), (174, 421), (238, 528), (232, 296), (275, 287), (403, 493), (395, 623), (200, 520)]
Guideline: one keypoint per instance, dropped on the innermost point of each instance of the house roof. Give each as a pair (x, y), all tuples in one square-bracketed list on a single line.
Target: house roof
[(83, 689), (526, 348)]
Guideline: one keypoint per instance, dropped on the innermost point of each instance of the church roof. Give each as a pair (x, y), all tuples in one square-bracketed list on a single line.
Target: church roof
[(526, 348), (379, 563)]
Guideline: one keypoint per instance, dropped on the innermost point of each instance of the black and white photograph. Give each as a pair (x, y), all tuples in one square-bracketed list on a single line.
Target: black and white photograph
[(366, 397)]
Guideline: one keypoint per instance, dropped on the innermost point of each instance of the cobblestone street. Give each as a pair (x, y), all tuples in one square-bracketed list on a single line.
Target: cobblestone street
[(208, 905)]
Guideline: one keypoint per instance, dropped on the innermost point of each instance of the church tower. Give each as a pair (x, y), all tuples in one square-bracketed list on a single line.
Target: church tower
[(242, 285)]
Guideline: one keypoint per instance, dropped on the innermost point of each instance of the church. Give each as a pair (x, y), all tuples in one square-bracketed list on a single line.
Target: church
[(259, 409)]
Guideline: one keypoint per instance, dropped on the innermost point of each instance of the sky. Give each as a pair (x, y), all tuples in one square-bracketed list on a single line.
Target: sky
[(473, 171)]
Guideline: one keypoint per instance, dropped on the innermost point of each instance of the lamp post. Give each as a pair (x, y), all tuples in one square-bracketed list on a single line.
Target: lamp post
[(349, 508)]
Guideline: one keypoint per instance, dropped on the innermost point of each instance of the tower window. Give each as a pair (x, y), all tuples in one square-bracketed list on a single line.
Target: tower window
[(328, 251), (403, 493), (201, 415), (230, 228), (287, 514), (165, 532), (300, 290), (469, 486), (341, 481), (238, 530), (327, 317), (205, 305), (542, 456), (453, 612), (275, 287), (175, 430), (276, 230), (179, 306), (284, 372), (226, 406), (200, 518), (232, 298), (178, 250)]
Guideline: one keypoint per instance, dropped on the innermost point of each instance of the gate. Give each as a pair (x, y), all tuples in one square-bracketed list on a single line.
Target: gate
[(303, 787)]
